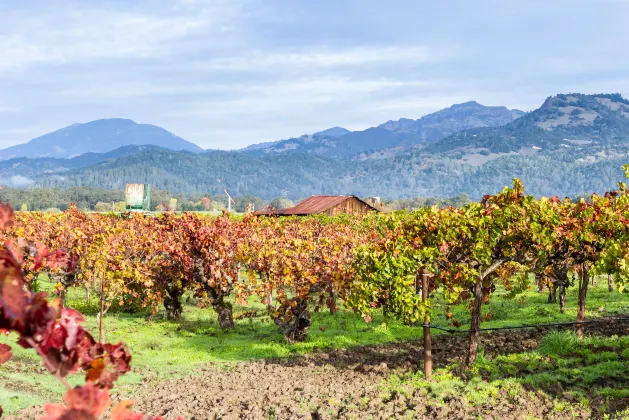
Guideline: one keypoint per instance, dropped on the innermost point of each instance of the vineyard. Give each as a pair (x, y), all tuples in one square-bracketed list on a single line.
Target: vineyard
[(402, 272)]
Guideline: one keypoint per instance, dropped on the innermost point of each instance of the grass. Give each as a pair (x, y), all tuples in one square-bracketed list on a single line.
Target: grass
[(588, 374), (164, 349)]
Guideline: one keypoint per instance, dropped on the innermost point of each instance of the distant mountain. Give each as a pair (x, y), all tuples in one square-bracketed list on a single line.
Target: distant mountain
[(332, 132), (565, 121), (97, 136), (573, 144), (440, 124), (329, 133), (401, 134)]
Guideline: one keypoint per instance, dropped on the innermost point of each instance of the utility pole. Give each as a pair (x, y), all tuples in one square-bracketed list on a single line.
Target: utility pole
[(230, 200)]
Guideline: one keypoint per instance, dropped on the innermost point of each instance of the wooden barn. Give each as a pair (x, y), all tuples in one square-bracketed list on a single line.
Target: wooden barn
[(326, 204)]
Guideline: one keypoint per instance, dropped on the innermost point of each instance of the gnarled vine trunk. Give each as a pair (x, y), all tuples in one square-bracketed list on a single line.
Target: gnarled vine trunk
[(562, 297), (584, 280), (223, 309), (332, 296), (552, 293), (610, 282), (217, 296), (561, 281), (475, 322), (172, 304), (293, 320), (66, 280)]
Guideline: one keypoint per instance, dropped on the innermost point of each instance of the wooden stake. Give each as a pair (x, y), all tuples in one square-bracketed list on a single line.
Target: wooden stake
[(100, 319), (427, 338)]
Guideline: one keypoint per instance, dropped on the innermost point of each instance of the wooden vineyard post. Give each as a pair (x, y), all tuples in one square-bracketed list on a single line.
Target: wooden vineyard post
[(427, 338), (101, 338), (584, 279)]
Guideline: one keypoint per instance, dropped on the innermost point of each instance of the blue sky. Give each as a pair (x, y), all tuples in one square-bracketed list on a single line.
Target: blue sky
[(228, 73)]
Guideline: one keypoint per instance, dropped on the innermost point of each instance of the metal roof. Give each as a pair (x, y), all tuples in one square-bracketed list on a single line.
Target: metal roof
[(316, 204)]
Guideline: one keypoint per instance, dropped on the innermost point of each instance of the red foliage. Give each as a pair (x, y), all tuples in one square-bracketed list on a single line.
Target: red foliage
[(57, 335)]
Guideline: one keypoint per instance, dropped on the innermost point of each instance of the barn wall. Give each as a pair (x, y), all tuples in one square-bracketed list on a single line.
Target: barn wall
[(351, 205)]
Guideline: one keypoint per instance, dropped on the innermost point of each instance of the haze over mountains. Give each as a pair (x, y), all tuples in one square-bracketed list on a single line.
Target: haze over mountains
[(572, 144)]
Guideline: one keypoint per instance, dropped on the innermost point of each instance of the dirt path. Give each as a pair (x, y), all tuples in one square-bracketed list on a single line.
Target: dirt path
[(343, 383)]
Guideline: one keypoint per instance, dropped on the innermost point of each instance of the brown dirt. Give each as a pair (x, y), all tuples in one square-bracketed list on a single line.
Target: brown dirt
[(344, 383)]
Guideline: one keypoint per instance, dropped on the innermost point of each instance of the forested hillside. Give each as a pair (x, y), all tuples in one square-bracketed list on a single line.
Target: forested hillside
[(572, 144)]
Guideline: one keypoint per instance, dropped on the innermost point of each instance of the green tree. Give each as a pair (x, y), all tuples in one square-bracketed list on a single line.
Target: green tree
[(243, 202), (102, 207), (281, 203), (120, 206)]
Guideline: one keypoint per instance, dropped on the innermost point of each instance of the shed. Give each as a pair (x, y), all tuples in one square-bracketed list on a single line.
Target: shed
[(326, 204)]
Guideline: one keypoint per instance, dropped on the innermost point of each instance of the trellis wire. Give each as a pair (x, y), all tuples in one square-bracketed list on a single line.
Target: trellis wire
[(516, 327)]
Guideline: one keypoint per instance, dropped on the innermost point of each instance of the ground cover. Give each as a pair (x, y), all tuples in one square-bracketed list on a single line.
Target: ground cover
[(347, 364)]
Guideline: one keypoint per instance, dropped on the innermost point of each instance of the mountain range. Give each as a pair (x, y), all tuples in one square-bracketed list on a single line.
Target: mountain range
[(97, 136), (393, 135), (572, 144)]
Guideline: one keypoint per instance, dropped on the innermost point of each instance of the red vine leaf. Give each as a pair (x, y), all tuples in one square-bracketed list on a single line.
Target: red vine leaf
[(122, 411), (82, 403)]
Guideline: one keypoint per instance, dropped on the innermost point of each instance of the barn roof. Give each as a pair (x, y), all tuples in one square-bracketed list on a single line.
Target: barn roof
[(316, 204)]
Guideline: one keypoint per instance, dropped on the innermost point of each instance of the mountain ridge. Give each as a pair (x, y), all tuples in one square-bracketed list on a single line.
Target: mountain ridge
[(572, 144), (97, 136), (402, 133)]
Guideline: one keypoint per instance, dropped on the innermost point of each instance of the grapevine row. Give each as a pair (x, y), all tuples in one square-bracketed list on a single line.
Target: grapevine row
[(296, 265)]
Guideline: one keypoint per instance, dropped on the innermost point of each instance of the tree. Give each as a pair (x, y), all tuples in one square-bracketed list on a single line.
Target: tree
[(120, 206), (172, 204), (281, 203), (102, 207), (206, 202), (242, 203)]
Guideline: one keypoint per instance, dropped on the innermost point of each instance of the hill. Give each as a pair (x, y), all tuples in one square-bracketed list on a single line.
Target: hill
[(97, 136), (208, 172), (572, 144), (401, 134), (565, 121), (465, 116), (20, 172)]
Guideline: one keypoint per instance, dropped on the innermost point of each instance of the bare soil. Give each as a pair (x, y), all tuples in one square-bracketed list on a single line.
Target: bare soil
[(345, 383)]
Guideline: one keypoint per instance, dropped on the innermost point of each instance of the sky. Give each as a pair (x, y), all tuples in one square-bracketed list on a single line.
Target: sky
[(228, 73)]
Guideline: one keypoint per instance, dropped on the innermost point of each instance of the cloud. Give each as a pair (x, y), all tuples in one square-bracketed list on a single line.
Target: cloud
[(226, 73), (80, 33), (329, 58)]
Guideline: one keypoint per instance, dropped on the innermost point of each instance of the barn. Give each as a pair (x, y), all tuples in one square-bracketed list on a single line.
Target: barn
[(326, 204)]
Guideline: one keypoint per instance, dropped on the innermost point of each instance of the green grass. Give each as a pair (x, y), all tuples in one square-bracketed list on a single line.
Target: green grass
[(571, 372), (164, 349)]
